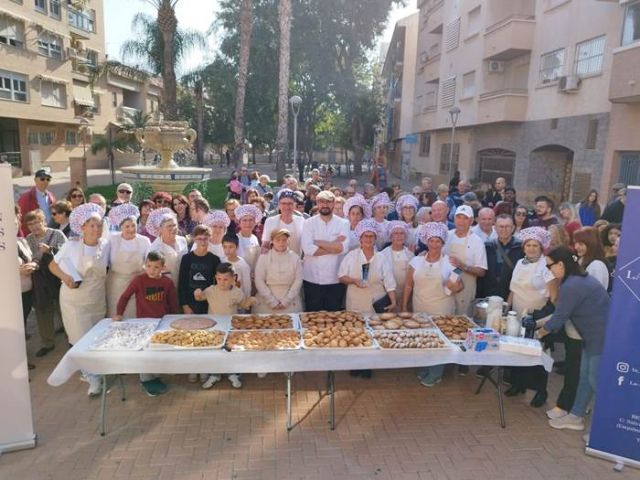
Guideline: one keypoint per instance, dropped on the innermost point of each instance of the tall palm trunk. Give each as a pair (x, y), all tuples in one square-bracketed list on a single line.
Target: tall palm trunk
[(168, 24), (199, 94), (246, 24), (284, 17)]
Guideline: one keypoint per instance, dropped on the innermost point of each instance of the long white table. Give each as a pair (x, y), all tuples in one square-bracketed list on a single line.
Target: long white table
[(80, 357)]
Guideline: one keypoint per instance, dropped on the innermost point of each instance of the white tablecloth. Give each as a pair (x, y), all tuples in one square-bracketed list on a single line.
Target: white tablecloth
[(80, 357)]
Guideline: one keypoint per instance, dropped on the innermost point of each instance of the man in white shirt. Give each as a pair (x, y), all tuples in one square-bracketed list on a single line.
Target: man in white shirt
[(287, 219), (325, 237), (485, 227)]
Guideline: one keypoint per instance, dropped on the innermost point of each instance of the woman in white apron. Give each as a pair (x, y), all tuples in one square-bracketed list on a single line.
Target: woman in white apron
[(380, 204), (397, 254), (218, 221), (428, 280), (82, 267), (248, 216), (407, 208), (163, 224), (532, 286), (355, 209), (127, 252), (367, 273), (279, 277)]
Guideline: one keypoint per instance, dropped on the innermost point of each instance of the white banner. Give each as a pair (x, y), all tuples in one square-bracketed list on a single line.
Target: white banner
[(16, 424)]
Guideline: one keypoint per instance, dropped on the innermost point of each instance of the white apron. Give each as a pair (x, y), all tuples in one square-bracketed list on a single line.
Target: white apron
[(463, 298), (400, 266), (125, 265), (86, 305), (428, 292), (362, 299), (171, 262), (526, 295), (280, 277)]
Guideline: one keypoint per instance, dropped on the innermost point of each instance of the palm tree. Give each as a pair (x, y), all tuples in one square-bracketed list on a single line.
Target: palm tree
[(246, 24), (195, 81), (284, 20)]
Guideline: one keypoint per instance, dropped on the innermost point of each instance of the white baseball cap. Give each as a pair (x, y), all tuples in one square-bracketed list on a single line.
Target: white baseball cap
[(465, 210)]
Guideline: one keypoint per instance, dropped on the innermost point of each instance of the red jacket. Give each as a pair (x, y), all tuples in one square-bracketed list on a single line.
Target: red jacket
[(155, 297), (28, 202)]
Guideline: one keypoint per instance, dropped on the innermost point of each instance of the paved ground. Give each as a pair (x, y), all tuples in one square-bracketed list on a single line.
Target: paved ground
[(388, 427)]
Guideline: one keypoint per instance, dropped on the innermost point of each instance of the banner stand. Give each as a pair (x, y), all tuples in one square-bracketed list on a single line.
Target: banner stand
[(16, 423), (615, 429)]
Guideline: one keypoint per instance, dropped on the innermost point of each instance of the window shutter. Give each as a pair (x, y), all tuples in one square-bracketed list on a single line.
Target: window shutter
[(448, 92), (452, 35)]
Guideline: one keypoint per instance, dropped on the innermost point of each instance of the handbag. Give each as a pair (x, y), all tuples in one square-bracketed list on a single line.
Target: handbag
[(382, 303)]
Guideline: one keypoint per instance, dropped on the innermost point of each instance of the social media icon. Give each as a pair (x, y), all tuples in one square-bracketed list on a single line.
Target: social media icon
[(622, 367), (620, 380)]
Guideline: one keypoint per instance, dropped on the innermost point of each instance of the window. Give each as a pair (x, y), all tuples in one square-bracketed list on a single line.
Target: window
[(82, 20), (47, 137), (473, 22), (448, 93), (444, 158), (54, 9), (92, 58), (469, 84), (114, 99), (71, 138), (430, 100), (592, 134), (425, 144), (50, 45), (11, 32), (41, 5), (13, 86), (629, 168), (452, 35), (494, 163), (631, 24), (551, 65), (53, 94), (589, 56), (554, 124)]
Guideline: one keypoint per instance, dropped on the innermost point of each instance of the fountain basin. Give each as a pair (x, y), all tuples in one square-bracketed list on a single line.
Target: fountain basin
[(172, 180)]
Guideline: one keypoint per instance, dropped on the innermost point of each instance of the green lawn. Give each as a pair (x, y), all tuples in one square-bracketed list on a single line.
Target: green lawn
[(215, 191)]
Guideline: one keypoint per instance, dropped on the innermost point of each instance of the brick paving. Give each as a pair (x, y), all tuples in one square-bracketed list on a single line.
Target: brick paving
[(388, 427)]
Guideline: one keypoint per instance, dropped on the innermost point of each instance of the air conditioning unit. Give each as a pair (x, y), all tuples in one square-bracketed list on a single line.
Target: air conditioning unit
[(82, 68), (72, 52), (496, 66), (569, 83)]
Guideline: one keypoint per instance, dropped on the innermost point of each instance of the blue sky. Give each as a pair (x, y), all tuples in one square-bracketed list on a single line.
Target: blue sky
[(195, 14)]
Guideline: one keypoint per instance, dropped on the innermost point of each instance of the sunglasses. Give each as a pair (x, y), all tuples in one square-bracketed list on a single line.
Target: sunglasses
[(549, 265), (44, 179), (77, 195), (521, 214), (127, 192), (163, 202)]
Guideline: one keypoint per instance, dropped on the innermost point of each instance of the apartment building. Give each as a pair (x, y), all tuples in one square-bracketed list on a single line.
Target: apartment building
[(398, 77), (532, 80), (49, 112)]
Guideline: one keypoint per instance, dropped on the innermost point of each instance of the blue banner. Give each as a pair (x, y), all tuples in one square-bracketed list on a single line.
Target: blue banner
[(615, 431)]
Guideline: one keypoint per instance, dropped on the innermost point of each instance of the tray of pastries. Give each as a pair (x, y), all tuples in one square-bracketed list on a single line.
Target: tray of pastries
[(262, 322), (263, 340), (428, 339), (337, 336), (187, 340), (454, 327), (125, 335), (399, 321), (323, 319), (193, 323)]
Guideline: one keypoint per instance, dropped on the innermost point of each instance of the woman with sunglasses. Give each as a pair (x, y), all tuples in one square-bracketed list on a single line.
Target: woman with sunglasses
[(584, 301), (180, 205), (124, 193), (520, 219), (60, 212), (76, 197)]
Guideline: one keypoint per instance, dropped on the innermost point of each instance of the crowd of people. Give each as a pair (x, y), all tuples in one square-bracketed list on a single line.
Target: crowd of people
[(314, 246)]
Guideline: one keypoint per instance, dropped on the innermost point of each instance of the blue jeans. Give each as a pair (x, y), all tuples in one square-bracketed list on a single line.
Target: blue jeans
[(587, 384)]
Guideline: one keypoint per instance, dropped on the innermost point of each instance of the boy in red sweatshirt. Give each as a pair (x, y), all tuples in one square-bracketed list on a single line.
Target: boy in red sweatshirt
[(156, 297)]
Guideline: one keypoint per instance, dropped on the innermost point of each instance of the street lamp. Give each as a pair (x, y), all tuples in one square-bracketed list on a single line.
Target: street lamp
[(295, 102), (454, 113)]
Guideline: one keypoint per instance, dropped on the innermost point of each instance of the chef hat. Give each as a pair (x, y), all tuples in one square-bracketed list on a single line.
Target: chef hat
[(286, 193), (406, 200), (156, 217), (216, 217), (83, 213), (357, 201), (366, 225), (535, 233), (381, 199), (250, 211), (397, 225), (125, 211), (432, 229)]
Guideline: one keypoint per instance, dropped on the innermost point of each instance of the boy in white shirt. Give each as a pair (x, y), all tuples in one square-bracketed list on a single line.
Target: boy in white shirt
[(240, 266)]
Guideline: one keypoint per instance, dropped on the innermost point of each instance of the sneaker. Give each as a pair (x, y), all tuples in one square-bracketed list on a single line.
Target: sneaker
[(95, 385), (430, 381), (192, 378), (211, 381), (154, 387), (570, 421), (43, 351), (423, 372), (463, 370), (262, 374), (556, 412), (234, 378)]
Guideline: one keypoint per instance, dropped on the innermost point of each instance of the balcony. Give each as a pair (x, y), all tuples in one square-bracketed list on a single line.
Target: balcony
[(431, 69), (435, 16), (624, 86), (509, 38), (506, 105), (125, 115)]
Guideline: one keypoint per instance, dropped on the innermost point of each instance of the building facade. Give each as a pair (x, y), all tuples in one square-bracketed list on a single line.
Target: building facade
[(534, 82), (50, 108)]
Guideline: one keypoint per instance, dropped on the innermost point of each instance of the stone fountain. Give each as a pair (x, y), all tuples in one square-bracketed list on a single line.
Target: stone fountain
[(166, 138)]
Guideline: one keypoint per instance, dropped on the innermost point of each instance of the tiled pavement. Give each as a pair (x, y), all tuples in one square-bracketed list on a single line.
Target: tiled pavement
[(388, 427)]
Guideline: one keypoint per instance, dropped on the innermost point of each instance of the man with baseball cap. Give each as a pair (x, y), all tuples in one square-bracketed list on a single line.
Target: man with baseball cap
[(38, 196)]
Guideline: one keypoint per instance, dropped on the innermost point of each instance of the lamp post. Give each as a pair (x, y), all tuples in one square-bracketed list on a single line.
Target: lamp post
[(454, 113), (295, 102)]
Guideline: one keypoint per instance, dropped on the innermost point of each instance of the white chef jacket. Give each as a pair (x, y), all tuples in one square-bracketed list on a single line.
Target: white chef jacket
[(323, 270)]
